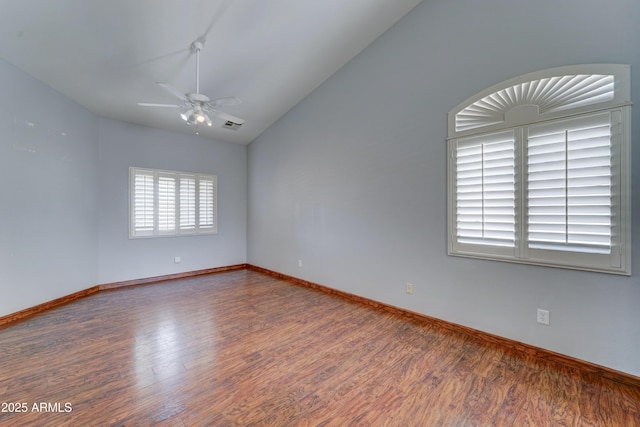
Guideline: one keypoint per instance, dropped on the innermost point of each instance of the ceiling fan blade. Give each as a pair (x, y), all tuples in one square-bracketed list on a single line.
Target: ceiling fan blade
[(216, 16), (227, 117), (147, 104), (230, 100), (173, 91)]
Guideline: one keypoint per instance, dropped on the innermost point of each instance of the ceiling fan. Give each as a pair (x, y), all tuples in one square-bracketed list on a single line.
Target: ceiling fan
[(198, 109)]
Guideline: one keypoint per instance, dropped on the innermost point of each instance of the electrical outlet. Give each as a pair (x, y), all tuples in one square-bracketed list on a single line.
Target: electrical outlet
[(177, 259), (543, 316), (299, 263), (409, 288)]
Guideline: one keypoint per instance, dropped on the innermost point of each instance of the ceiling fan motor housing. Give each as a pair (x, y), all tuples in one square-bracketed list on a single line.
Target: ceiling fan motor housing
[(197, 97)]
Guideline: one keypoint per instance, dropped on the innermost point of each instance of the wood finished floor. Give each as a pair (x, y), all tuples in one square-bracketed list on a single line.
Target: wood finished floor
[(243, 348)]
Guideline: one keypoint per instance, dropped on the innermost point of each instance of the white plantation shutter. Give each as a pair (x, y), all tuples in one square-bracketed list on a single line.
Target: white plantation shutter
[(539, 170), (485, 189), (168, 203), (207, 202), (570, 185), (187, 203), (549, 95), (143, 206)]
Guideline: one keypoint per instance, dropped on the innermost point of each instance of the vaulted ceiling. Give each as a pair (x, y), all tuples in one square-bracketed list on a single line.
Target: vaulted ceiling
[(108, 55)]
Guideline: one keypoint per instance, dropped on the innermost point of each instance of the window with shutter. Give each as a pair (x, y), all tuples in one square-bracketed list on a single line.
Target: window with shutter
[(539, 170), (166, 204), (169, 203), (485, 196), (569, 185), (143, 206), (207, 203), (187, 203)]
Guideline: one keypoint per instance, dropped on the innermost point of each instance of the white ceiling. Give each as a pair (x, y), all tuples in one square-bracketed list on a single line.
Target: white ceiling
[(107, 55)]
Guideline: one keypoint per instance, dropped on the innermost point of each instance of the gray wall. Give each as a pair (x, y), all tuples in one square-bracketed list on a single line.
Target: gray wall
[(352, 181), (123, 145), (64, 197), (48, 208)]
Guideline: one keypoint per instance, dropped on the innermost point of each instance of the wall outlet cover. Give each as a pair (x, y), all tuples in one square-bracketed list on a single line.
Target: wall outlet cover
[(543, 316)]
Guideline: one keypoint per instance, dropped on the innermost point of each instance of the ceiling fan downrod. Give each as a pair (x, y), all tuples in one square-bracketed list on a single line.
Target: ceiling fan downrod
[(196, 46)]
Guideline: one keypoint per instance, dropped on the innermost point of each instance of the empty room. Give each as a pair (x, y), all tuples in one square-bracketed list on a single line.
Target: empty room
[(319, 213)]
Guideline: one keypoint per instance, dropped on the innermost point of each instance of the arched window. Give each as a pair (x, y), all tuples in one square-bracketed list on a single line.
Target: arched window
[(539, 170)]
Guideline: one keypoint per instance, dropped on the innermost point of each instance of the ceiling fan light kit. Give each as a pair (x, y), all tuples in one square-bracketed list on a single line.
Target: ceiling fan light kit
[(198, 109)]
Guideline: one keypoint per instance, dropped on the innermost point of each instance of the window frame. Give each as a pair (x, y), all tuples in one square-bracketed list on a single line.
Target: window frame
[(201, 180), (619, 110)]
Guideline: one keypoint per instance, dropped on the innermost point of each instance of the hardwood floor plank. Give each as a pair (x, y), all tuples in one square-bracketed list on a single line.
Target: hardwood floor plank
[(244, 348)]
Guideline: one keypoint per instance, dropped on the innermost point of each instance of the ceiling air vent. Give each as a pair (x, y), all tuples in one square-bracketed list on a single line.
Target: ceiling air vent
[(231, 125)]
